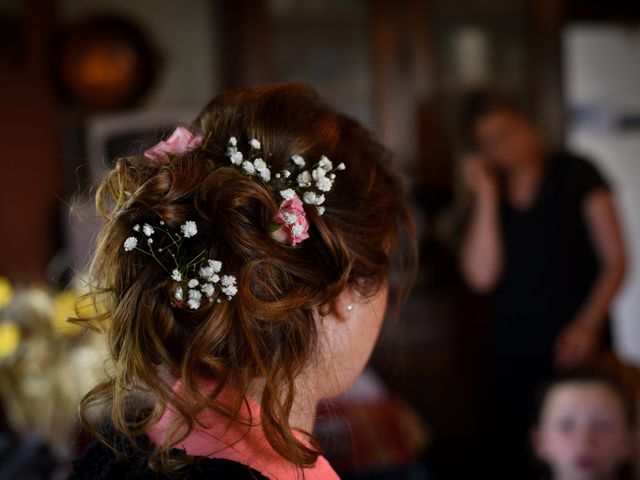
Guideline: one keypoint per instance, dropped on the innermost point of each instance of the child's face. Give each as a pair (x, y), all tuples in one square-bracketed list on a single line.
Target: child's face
[(583, 432)]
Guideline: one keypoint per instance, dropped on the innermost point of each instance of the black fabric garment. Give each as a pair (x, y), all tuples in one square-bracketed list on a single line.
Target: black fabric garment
[(550, 266), (99, 462)]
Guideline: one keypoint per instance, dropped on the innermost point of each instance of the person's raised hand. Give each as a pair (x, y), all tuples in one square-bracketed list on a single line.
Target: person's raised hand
[(480, 177)]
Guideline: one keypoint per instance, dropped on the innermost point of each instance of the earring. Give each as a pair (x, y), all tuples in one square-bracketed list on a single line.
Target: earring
[(350, 307)]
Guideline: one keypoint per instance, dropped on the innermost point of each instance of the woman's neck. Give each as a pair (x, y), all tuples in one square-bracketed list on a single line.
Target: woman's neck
[(303, 410), (523, 182), (303, 414)]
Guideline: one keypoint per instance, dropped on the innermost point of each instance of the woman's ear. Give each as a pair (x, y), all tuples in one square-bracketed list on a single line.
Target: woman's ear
[(345, 305), (346, 337), (343, 308)]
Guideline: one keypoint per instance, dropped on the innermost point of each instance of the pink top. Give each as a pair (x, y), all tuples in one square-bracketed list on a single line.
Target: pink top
[(241, 443)]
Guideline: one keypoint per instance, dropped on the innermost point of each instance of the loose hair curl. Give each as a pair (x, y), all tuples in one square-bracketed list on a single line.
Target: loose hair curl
[(267, 330)]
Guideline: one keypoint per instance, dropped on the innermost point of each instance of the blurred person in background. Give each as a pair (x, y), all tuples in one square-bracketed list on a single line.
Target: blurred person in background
[(544, 239), (584, 429)]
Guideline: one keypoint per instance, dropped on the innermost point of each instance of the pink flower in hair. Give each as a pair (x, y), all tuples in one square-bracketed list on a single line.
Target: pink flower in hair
[(290, 223), (180, 141)]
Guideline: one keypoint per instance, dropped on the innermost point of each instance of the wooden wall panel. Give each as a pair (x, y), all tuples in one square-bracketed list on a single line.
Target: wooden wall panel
[(30, 172)]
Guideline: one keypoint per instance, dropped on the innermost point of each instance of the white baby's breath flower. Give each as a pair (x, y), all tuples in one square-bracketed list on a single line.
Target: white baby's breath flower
[(265, 175), (297, 230), (130, 243), (236, 157), (324, 184), (230, 291), (205, 272), (193, 304), (228, 283), (193, 283), (176, 275), (189, 229), (286, 173), (227, 280), (318, 173), (298, 160), (179, 294), (161, 222), (287, 194), (304, 179), (325, 163), (319, 199), (247, 167), (320, 210), (290, 218), (149, 241), (212, 267), (136, 228), (254, 143), (208, 289), (209, 271), (194, 299), (341, 166), (147, 229), (233, 141), (260, 164), (309, 197)]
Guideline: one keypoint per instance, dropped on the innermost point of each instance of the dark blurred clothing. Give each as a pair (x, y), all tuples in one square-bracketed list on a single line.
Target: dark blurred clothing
[(550, 267), (129, 460), (550, 263)]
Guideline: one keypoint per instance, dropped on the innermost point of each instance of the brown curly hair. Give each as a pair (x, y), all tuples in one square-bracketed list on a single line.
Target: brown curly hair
[(267, 330)]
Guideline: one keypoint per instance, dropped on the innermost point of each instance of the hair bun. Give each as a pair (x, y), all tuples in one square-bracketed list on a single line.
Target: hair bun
[(239, 207)]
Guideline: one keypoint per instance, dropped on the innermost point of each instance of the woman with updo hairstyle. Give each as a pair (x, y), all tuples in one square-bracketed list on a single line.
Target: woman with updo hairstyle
[(243, 272)]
